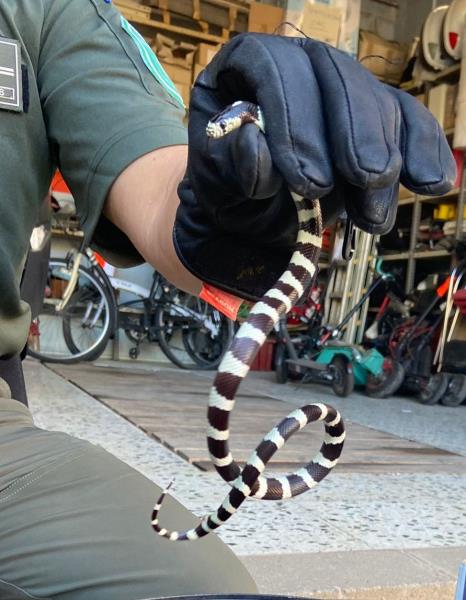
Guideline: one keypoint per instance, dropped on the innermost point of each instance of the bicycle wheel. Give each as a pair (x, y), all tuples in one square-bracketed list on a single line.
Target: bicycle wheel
[(79, 331), (188, 334), (208, 335)]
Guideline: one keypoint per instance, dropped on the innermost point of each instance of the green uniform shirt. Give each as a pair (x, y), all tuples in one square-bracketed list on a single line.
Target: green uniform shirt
[(95, 100)]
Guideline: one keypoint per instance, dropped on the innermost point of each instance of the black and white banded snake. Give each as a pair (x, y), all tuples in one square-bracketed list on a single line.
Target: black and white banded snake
[(249, 481)]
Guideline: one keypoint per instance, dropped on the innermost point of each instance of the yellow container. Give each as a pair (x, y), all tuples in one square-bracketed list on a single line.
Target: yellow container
[(445, 212)]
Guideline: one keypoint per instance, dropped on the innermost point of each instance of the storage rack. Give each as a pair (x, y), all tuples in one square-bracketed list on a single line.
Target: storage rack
[(415, 206), (412, 255), (213, 21)]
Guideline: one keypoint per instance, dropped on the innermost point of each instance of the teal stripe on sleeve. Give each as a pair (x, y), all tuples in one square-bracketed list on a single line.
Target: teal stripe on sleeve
[(152, 62)]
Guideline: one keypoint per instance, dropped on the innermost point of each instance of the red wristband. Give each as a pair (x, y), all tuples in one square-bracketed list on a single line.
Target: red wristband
[(226, 303)]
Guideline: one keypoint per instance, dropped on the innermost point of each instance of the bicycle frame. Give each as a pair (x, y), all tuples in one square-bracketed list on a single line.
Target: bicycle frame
[(145, 295)]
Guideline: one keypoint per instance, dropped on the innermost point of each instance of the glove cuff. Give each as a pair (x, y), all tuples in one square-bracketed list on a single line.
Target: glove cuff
[(230, 264)]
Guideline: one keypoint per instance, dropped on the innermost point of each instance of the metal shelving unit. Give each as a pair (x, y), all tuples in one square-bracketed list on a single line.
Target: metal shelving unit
[(418, 203), (412, 255)]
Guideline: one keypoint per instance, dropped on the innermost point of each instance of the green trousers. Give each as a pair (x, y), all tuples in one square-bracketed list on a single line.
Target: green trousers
[(75, 525)]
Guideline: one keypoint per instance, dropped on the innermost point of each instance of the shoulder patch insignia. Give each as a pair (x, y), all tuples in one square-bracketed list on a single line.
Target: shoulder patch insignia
[(11, 94)]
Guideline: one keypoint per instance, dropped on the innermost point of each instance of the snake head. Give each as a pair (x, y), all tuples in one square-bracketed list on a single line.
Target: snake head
[(221, 126)]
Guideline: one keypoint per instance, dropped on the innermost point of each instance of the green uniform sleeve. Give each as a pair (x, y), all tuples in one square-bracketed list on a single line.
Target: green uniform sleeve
[(106, 101)]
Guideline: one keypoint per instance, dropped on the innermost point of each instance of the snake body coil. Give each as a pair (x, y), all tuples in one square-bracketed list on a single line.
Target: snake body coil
[(236, 363)]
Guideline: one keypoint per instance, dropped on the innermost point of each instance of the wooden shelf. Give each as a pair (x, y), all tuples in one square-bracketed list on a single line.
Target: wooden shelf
[(399, 256), (450, 196), (160, 25), (453, 70), (406, 201), (69, 233), (410, 86), (416, 255), (436, 199), (431, 254)]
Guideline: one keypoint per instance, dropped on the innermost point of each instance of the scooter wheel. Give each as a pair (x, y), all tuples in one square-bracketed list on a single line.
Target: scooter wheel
[(133, 353), (388, 382), (342, 375), (434, 389), (456, 391), (281, 366)]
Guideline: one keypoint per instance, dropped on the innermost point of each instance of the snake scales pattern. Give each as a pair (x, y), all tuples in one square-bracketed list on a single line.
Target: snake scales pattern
[(249, 481)]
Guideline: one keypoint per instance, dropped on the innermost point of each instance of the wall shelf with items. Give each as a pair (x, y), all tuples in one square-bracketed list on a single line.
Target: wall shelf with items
[(421, 255), (427, 226), (449, 73)]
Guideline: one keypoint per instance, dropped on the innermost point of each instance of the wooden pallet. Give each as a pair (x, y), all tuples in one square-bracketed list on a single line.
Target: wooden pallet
[(170, 406), (229, 16), (164, 20)]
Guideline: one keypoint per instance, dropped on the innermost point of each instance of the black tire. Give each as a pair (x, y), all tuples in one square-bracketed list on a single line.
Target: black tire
[(179, 323), (388, 382), (434, 389), (134, 353), (91, 307), (421, 368), (456, 391), (342, 376), (204, 348), (280, 364)]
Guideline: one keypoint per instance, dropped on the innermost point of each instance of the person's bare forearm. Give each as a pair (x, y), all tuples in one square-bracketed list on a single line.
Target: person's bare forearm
[(143, 201)]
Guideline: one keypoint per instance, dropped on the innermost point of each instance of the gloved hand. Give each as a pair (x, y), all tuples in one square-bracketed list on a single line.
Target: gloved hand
[(332, 131)]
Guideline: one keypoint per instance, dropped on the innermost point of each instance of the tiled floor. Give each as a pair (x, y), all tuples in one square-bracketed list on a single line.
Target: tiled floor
[(354, 511)]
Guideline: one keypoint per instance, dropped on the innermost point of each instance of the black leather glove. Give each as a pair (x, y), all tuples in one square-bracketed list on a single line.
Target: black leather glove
[(332, 131)]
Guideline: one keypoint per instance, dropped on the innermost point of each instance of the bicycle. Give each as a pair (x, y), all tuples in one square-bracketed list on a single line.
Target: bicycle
[(80, 313)]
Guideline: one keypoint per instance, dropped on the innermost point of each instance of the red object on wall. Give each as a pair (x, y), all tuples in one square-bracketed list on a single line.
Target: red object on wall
[(453, 37), (326, 239), (459, 159), (264, 358), (459, 299)]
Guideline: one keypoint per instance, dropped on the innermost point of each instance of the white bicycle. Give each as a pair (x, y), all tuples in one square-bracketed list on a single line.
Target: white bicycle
[(81, 312)]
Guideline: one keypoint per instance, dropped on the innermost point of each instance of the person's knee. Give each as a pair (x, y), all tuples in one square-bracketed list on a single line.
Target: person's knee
[(216, 570)]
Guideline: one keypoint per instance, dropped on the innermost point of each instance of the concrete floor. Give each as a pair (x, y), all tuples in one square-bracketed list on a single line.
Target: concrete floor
[(358, 535)]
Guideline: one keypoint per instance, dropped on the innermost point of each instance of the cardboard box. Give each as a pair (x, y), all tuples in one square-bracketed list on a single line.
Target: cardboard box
[(264, 18), (442, 104), (197, 69), (177, 73), (450, 107), (205, 53), (322, 22), (185, 91), (404, 193), (371, 44)]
